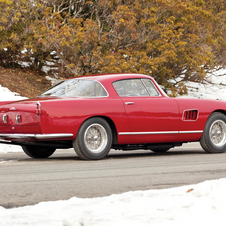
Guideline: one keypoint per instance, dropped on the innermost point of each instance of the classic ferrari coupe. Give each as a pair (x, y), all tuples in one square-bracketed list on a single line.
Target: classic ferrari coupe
[(95, 113)]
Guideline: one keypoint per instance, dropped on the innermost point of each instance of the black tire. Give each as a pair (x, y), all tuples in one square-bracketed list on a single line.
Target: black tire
[(160, 149), (94, 139), (38, 151), (213, 139)]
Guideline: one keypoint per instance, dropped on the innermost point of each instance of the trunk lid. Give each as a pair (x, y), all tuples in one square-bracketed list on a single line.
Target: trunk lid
[(21, 113)]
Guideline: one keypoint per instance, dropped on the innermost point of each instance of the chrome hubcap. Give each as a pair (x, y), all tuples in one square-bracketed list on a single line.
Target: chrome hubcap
[(217, 133), (95, 138)]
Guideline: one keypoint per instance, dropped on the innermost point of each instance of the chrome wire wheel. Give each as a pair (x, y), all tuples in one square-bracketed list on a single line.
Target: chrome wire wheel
[(96, 138), (213, 139), (217, 133)]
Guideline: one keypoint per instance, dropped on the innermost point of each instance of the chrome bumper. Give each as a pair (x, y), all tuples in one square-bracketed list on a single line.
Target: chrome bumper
[(16, 136)]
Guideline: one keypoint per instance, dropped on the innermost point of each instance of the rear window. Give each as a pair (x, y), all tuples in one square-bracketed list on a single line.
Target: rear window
[(77, 88)]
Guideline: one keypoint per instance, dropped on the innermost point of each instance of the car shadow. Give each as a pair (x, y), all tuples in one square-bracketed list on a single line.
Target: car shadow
[(67, 156), (124, 154)]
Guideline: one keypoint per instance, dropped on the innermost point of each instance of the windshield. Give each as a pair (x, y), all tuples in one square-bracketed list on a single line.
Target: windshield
[(77, 88)]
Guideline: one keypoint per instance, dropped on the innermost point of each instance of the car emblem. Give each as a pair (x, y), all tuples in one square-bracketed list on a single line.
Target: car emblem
[(12, 109)]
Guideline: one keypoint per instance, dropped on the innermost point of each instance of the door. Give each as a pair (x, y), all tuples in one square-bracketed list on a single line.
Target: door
[(152, 118)]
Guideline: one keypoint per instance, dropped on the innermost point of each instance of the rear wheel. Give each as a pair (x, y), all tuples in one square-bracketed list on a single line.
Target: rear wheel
[(94, 139), (38, 151), (213, 139)]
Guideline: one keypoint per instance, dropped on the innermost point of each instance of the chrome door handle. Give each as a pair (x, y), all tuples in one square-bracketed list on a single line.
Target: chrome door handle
[(129, 103)]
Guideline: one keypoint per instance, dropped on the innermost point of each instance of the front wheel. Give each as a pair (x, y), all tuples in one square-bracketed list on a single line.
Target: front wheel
[(94, 139), (213, 139), (38, 151)]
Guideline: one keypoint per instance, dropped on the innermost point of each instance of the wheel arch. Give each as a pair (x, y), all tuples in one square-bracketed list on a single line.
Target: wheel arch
[(111, 124), (216, 111), (220, 111), (207, 141)]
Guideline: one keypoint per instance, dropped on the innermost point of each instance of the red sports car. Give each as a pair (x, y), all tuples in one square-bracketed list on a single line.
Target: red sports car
[(121, 111)]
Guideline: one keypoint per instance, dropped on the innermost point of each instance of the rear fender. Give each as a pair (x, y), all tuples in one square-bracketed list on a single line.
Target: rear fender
[(5, 102)]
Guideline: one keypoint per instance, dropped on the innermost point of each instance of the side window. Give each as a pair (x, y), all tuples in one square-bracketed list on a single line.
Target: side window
[(130, 88), (151, 87)]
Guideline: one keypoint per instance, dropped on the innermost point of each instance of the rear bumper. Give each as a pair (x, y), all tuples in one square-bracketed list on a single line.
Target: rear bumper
[(18, 136)]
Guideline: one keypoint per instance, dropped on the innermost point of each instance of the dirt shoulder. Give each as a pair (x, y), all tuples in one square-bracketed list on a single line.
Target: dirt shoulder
[(23, 81)]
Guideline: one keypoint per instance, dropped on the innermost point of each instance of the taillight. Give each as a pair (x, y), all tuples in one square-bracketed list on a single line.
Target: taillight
[(5, 118), (18, 119), (38, 111)]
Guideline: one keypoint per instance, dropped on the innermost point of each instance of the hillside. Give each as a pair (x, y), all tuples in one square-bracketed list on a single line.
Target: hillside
[(23, 81)]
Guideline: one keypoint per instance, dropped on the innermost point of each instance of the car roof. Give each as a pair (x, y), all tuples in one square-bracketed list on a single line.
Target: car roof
[(112, 77)]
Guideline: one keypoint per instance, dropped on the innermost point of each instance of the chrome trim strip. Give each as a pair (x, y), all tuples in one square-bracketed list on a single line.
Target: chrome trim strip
[(147, 133), (35, 136), (196, 131), (5, 141), (54, 135), (156, 133)]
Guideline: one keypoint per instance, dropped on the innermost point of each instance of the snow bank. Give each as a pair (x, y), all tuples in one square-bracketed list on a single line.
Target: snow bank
[(215, 89), (6, 94), (7, 148), (201, 204)]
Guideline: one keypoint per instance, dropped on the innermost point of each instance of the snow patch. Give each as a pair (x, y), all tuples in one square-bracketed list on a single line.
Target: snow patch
[(7, 95), (201, 204)]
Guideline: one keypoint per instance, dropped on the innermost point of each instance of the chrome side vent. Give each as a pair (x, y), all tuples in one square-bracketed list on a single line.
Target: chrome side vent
[(190, 115)]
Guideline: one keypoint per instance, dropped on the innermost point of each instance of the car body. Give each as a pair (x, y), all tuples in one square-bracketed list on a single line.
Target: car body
[(121, 111)]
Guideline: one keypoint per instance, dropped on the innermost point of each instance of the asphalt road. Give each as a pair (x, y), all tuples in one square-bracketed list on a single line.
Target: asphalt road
[(26, 181)]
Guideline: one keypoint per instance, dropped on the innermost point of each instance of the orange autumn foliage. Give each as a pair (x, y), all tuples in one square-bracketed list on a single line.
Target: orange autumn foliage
[(164, 39)]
